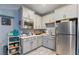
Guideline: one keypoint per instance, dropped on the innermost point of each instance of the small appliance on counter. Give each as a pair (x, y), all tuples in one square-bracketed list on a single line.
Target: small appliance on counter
[(14, 33)]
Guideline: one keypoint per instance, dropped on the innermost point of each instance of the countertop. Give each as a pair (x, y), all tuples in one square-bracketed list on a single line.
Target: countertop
[(33, 36)]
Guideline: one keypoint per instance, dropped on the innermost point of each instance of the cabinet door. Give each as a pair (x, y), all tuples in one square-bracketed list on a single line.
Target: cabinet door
[(51, 43), (25, 12), (37, 22), (43, 23), (39, 39), (31, 14), (26, 46), (45, 41), (34, 43)]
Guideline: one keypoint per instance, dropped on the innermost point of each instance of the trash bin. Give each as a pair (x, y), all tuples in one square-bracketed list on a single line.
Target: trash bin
[(5, 50)]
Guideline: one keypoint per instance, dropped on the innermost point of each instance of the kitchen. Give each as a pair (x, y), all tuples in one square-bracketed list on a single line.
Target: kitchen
[(39, 29)]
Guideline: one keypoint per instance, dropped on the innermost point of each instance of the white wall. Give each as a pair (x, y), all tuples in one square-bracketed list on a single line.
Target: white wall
[(48, 18), (3, 34), (68, 11)]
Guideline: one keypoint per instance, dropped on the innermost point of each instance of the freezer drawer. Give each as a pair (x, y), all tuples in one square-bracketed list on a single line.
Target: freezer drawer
[(65, 44)]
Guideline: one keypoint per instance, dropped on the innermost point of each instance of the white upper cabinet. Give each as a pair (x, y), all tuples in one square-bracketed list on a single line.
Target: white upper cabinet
[(37, 22), (43, 23), (27, 13), (26, 16), (30, 16), (68, 11)]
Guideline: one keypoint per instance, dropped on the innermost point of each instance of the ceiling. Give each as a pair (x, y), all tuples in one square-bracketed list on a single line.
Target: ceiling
[(9, 6), (43, 9), (40, 9)]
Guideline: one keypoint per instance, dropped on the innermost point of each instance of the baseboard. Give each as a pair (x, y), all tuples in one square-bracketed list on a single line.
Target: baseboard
[(49, 48)]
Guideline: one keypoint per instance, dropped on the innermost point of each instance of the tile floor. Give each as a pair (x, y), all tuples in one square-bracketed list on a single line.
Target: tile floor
[(42, 51)]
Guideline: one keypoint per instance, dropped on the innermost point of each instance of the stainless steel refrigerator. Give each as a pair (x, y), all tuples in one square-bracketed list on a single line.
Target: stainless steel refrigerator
[(66, 38)]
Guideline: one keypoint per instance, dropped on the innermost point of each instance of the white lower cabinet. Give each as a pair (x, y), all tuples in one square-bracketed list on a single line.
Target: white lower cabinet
[(37, 22), (45, 42), (29, 44), (26, 46), (34, 43), (39, 41), (51, 44)]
